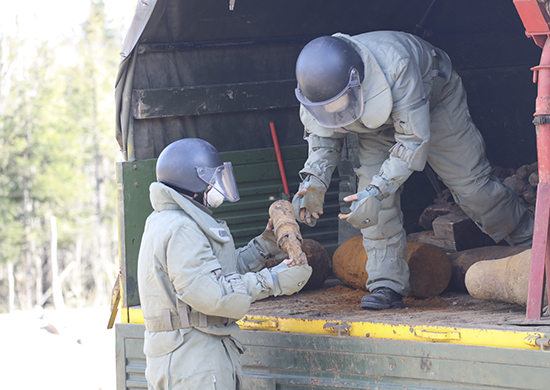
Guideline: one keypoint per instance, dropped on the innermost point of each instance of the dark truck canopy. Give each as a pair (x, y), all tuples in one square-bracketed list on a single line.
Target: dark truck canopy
[(196, 69)]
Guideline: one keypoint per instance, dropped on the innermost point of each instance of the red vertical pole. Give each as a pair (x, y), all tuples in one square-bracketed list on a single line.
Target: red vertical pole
[(279, 158), (540, 257)]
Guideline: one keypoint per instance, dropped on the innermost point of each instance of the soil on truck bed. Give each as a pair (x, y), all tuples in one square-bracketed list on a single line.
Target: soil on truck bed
[(337, 301)]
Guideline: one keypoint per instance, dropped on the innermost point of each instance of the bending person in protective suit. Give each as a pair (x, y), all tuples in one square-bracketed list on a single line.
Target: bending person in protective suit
[(407, 106), (193, 284)]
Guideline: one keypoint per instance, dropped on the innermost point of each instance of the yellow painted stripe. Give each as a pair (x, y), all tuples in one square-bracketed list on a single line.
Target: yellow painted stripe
[(132, 316), (461, 336)]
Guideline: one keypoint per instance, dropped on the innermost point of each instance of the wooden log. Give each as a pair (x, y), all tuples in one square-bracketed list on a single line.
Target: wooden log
[(430, 268), (434, 211), (462, 261), (515, 183), (523, 172), (459, 232), (534, 178), (453, 232), (502, 280)]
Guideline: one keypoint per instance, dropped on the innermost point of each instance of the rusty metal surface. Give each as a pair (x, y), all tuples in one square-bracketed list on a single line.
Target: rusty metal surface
[(287, 231), (430, 267)]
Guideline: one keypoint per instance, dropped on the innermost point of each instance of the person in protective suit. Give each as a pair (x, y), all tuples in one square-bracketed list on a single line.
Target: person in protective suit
[(193, 284), (408, 107)]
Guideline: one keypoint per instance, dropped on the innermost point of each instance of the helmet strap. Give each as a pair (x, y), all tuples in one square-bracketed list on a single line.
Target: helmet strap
[(196, 196)]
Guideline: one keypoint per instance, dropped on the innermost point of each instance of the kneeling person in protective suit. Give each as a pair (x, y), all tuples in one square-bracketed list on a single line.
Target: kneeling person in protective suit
[(401, 97), (193, 284)]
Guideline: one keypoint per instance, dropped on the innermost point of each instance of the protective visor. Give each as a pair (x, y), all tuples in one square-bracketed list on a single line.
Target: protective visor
[(342, 110), (222, 179)]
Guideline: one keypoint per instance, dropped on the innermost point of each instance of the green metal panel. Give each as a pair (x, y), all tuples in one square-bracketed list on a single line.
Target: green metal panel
[(285, 361), (318, 361), (130, 359), (259, 183), (133, 179)]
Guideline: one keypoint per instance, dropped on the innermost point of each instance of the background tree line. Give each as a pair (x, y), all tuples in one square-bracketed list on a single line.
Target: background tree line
[(58, 218)]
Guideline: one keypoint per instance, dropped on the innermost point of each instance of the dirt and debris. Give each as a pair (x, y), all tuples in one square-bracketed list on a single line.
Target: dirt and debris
[(450, 309)]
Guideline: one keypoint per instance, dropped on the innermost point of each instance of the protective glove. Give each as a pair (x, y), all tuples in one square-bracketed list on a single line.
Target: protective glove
[(308, 201), (288, 280), (260, 250), (365, 207)]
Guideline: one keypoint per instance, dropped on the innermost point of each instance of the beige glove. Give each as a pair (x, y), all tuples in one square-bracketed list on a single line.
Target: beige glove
[(364, 208), (288, 280), (308, 201)]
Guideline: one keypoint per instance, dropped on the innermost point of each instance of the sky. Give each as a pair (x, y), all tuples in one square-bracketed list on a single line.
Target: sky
[(51, 20), (57, 22)]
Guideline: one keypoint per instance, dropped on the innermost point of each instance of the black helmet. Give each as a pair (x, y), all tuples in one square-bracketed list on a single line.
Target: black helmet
[(329, 72), (191, 164)]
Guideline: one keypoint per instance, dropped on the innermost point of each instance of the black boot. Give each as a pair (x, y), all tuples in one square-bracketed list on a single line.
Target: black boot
[(382, 298)]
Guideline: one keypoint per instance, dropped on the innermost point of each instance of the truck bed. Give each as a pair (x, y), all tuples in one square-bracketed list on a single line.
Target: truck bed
[(453, 309), (321, 339)]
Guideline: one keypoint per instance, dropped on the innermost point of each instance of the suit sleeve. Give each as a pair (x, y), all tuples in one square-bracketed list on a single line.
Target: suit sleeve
[(194, 273)]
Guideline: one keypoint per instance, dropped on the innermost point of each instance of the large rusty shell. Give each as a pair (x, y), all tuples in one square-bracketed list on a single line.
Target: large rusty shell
[(348, 263), (317, 258), (430, 268), (502, 280), (463, 260)]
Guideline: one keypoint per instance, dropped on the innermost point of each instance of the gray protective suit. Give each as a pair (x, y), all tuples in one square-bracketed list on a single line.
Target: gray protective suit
[(415, 112), (193, 286)]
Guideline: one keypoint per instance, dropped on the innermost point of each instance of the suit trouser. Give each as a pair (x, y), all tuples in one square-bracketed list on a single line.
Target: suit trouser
[(203, 361), (457, 155)]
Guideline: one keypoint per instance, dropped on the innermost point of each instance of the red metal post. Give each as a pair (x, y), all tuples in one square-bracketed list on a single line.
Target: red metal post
[(279, 158), (536, 20), (540, 257)]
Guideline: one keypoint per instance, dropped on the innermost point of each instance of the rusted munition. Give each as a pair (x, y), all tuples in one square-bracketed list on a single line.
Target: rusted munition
[(502, 280), (287, 231), (317, 258), (348, 263), (462, 261), (430, 268)]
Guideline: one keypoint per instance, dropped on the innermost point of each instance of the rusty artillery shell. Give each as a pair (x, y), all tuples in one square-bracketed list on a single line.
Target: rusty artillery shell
[(319, 260), (430, 268), (463, 260), (287, 231), (348, 263), (502, 280)]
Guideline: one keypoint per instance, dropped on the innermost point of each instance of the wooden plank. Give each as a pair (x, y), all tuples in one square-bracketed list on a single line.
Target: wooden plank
[(209, 99)]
